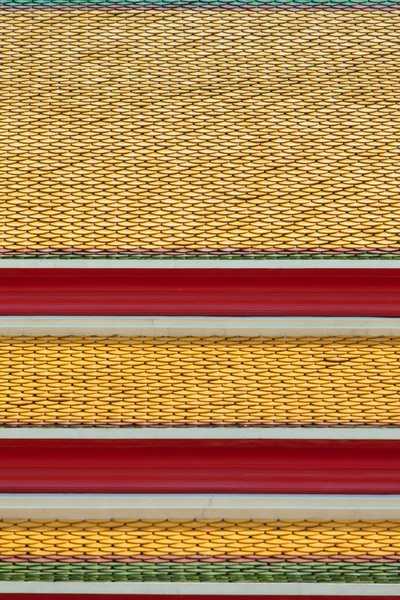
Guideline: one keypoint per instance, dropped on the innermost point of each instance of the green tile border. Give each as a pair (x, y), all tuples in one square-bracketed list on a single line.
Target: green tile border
[(210, 257), (283, 572)]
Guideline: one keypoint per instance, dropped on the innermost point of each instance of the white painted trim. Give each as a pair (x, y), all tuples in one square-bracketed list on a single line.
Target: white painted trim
[(199, 433), (204, 326), (213, 263), (206, 589), (198, 506)]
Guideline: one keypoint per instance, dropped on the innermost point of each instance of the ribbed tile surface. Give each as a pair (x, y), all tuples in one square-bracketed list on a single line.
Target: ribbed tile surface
[(194, 381), (200, 550), (199, 132)]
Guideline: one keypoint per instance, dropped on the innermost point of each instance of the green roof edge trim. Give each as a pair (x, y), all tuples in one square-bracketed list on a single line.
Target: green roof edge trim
[(210, 257), (282, 572)]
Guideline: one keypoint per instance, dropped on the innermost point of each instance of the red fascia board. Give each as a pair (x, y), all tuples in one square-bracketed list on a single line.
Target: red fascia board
[(200, 466), (183, 292)]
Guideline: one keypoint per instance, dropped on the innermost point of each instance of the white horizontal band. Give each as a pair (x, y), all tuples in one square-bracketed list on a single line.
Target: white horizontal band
[(198, 506), (187, 263), (206, 589), (201, 326), (199, 433)]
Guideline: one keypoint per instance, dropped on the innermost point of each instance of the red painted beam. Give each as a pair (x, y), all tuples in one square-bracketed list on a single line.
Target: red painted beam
[(315, 292), (200, 466)]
